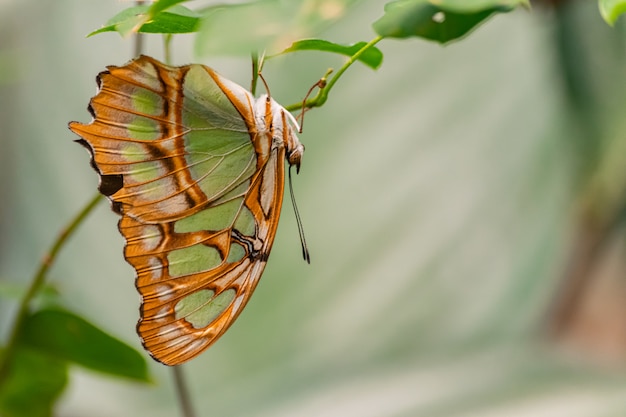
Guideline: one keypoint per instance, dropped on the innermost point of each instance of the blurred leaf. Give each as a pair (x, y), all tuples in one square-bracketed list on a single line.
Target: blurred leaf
[(269, 25), (34, 382), (69, 337), (444, 22), (470, 6), (242, 28), (611, 10), (372, 57), (177, 19)]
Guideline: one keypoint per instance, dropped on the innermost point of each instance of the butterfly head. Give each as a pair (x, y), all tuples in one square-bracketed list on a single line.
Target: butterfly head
[(295, 155), (295, 149), (275, 118)]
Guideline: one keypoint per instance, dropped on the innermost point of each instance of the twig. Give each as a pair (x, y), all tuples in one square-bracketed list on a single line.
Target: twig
[(138, 44), (182, 392)]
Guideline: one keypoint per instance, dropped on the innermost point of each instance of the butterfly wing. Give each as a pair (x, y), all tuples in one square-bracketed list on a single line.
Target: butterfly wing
[(199, 186)]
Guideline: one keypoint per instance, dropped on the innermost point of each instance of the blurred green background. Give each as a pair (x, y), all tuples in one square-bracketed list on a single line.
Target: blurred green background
[(463, 206)]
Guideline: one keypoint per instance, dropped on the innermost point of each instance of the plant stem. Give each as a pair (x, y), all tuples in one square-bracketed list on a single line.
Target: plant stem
[(167, 50), (138, 45), (322, 94), (182, 392), (37, 283), (255, 72), (138, 41)]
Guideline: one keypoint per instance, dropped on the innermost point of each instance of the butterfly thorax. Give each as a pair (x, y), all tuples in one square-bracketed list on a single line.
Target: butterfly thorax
[(273, 119)]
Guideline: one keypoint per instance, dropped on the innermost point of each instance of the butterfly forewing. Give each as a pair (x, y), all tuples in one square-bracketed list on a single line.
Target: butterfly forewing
[(197, 175)]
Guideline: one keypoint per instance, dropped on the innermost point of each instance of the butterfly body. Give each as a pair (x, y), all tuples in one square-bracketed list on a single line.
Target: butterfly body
[(194, 165)]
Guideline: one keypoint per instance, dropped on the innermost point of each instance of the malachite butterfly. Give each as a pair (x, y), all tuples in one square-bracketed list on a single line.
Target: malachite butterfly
[(194, 165)]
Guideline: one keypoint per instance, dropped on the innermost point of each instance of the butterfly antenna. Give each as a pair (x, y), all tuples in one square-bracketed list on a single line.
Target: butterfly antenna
[(267, 88), (305, 249)]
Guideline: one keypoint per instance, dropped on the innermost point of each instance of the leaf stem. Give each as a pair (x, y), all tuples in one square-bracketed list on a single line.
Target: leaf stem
[(38, 280), (322, 95)]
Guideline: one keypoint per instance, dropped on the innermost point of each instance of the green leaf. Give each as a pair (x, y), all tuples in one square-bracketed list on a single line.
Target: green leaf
[(611, 10), (444, 22), (371, 57), (69, 337), (242, 28), (162, 5), (263, 25), (177, 19), (34, 382)]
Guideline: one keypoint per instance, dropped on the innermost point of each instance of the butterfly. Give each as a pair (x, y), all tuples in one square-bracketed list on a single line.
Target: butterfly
[(193, 163)]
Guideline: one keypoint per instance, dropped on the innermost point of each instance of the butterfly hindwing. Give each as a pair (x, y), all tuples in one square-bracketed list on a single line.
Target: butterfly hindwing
[(197, 174)]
